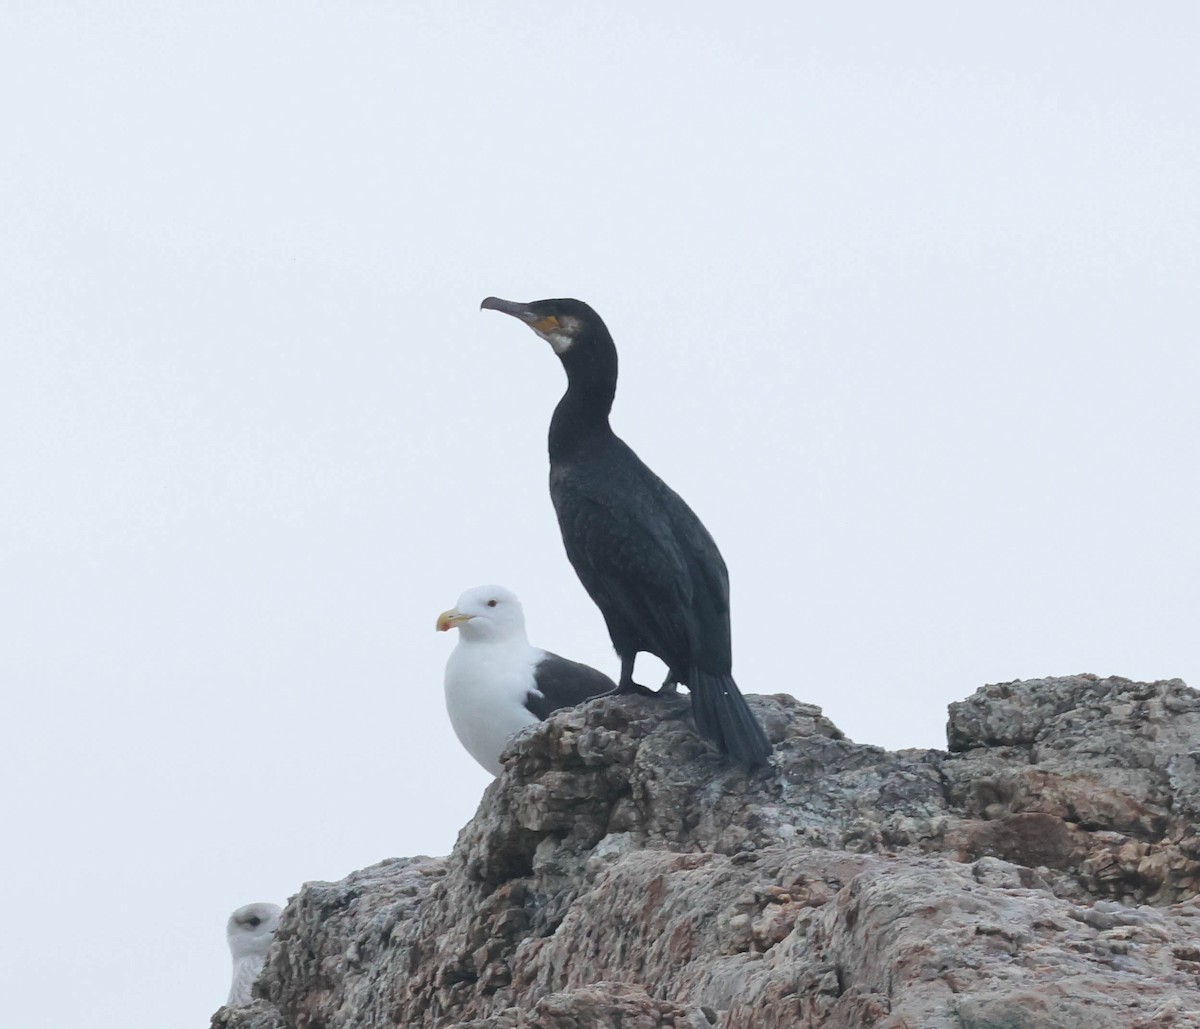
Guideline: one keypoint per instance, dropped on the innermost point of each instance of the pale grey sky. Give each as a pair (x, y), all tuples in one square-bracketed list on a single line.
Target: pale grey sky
[(906, 305)]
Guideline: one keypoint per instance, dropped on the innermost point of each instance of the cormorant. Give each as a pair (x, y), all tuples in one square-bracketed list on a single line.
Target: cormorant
[(639, 550), (496, 683)]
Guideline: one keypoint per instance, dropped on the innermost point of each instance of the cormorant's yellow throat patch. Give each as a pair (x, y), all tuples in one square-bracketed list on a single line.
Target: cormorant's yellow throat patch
[(547, 324)]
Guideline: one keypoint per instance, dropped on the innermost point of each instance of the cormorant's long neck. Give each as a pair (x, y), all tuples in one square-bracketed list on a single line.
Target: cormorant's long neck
[(581, 417)]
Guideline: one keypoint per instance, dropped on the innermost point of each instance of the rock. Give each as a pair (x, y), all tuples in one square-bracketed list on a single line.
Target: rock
[(256, 1015), (1043, 873)]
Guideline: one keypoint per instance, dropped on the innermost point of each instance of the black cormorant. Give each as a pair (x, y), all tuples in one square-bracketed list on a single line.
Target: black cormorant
[(639, 550)]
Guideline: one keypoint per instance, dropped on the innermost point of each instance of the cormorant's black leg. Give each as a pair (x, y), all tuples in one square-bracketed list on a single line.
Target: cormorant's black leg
[(627, 685)]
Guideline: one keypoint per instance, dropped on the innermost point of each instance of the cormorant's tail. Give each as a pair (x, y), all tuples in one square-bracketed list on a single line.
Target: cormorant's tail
[(723, 716)]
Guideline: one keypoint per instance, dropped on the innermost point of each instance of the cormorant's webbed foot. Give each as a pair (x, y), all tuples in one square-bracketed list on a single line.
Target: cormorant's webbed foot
[(628, 686)]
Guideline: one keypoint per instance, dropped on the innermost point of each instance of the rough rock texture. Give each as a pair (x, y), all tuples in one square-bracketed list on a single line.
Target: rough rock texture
[(1041, 874)]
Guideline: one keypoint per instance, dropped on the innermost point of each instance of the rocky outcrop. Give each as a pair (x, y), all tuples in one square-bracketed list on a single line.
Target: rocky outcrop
[(1042, 873)]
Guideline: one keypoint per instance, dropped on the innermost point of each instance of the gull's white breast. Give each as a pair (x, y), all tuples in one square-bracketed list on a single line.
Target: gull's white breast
[(486, 686)]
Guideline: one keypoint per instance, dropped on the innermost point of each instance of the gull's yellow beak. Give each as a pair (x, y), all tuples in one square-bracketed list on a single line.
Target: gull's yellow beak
[(451, 619)]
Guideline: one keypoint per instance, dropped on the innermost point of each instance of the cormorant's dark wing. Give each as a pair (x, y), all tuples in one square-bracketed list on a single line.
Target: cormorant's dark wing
[(645, 558), (562, 683)]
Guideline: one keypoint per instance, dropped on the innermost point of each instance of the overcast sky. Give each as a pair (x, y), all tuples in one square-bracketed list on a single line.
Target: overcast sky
[(906, 303)]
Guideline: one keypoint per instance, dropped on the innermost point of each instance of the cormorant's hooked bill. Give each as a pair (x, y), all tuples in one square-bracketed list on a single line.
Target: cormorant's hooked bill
[(523, 311), (558, 322)]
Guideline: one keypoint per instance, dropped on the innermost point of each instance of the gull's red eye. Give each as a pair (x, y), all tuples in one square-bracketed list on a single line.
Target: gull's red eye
[(492, 603)]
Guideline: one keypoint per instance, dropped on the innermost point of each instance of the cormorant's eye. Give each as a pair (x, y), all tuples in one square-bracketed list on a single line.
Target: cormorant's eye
[(492, 603), (255, 922)]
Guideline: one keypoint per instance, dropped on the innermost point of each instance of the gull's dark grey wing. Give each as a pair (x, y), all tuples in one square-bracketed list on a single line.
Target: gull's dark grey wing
[(562, 683)]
